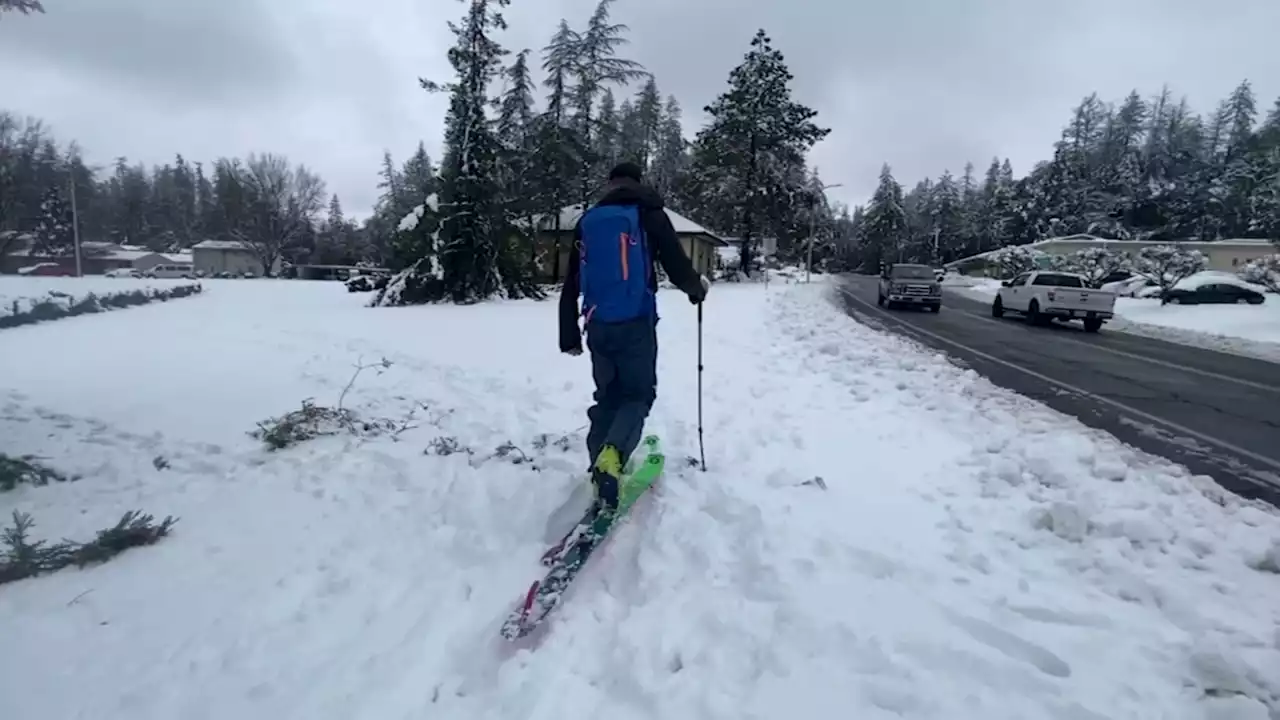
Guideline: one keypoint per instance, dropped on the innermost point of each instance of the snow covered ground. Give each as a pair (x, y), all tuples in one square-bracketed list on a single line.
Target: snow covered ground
[(1244, 329), (974, 554), (18, 293)]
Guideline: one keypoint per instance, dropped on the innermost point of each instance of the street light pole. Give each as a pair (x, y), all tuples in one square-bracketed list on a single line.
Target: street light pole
[(75, 224), (813, 225)]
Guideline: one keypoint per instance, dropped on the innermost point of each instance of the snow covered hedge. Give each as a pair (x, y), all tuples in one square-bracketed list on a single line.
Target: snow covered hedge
[(1263, 271), (57, 305)]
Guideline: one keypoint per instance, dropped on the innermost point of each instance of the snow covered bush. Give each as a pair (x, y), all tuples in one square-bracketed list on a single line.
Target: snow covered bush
[(1013, 260), (1167, 265), (1095, 263), (1263, 271), (57, 305)]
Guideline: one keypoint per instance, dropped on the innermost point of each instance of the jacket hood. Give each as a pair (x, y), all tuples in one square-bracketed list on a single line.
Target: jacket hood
[(625, 191)]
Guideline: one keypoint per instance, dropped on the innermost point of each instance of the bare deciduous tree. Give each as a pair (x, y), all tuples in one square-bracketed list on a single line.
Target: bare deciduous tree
[(282, 202)]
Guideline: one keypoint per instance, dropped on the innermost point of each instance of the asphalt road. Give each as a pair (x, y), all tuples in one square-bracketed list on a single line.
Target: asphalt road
[(1216, 413)]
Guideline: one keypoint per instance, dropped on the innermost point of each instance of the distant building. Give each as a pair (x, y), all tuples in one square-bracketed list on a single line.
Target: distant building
[(96, 258), (698, 242), (214, 257), (765, 247)]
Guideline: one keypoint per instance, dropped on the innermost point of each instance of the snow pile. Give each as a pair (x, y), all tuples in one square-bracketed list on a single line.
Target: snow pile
[(1245, 329), (20, 293), (969, 542)]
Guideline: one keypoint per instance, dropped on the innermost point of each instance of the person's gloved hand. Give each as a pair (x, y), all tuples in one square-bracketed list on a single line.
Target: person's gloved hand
[(698, 297)]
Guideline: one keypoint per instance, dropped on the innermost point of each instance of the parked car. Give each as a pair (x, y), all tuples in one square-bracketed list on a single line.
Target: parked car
[(46, 269), (1127, 286), (123, 273), (171, 271), (1116, 276), (906, 284), (1214, 294), (1043, 296)]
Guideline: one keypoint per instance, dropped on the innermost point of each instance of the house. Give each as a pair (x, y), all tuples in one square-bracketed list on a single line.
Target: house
[(96, 257), (698, 242), (1227, 255), (214, 257)]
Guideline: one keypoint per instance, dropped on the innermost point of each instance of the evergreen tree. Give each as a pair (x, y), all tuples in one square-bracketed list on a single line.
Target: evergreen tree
[(671, 160), (756, 132), (415, 181), (472, 259), (605, 147), (25, 7), (885, 224), (630, 133), (53, 234), (596, 65), (517, 161), (648, 122), (557, 154)]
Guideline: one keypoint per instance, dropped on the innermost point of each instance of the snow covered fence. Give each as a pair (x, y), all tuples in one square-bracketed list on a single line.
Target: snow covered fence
[(55, 304)]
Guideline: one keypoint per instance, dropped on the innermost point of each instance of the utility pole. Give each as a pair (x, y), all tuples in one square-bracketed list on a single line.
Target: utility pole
[(75, 223), (813, 223), (937, 259)]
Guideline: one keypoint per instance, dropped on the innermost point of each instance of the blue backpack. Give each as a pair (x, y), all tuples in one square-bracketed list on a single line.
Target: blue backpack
[(615, 267)]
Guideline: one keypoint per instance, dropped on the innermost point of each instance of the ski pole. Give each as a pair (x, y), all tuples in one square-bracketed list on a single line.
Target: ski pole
[(702, 453)]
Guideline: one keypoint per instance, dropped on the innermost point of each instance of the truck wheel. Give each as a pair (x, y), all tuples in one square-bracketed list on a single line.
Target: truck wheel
[(1092, 325), (1033, 314), (997, 308), (935, 308)]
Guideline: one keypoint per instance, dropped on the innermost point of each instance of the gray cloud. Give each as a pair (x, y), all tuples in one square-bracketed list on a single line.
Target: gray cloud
[(925, 85)]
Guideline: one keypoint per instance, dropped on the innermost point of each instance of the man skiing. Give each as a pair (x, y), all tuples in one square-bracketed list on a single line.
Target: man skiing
[(612, 265)]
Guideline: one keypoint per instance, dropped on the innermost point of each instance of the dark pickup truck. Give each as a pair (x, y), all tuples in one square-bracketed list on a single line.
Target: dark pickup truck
[(904, 284)]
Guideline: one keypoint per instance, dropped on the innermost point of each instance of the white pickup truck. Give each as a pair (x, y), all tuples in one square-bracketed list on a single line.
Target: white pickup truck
[(1046, 295)]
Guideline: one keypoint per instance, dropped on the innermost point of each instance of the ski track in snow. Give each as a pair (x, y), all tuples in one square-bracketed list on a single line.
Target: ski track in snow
[(975, 555)]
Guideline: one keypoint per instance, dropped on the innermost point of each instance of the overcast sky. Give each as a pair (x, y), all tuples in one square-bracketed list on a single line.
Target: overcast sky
[(922, 84)]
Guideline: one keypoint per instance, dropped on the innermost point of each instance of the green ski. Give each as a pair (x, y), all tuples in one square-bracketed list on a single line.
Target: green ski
[(567, 558)]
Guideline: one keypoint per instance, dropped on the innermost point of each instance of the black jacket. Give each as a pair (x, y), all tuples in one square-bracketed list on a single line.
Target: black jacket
[(660, 241)]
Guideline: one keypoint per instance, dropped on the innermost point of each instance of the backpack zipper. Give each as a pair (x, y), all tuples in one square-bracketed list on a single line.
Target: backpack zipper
[(622, 246)]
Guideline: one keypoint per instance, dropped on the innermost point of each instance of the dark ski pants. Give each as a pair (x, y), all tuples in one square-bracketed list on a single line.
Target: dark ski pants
[(624, 364)]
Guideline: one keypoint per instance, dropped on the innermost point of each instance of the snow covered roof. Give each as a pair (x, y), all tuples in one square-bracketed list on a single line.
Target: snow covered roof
[(221, 245), (683, 225)]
